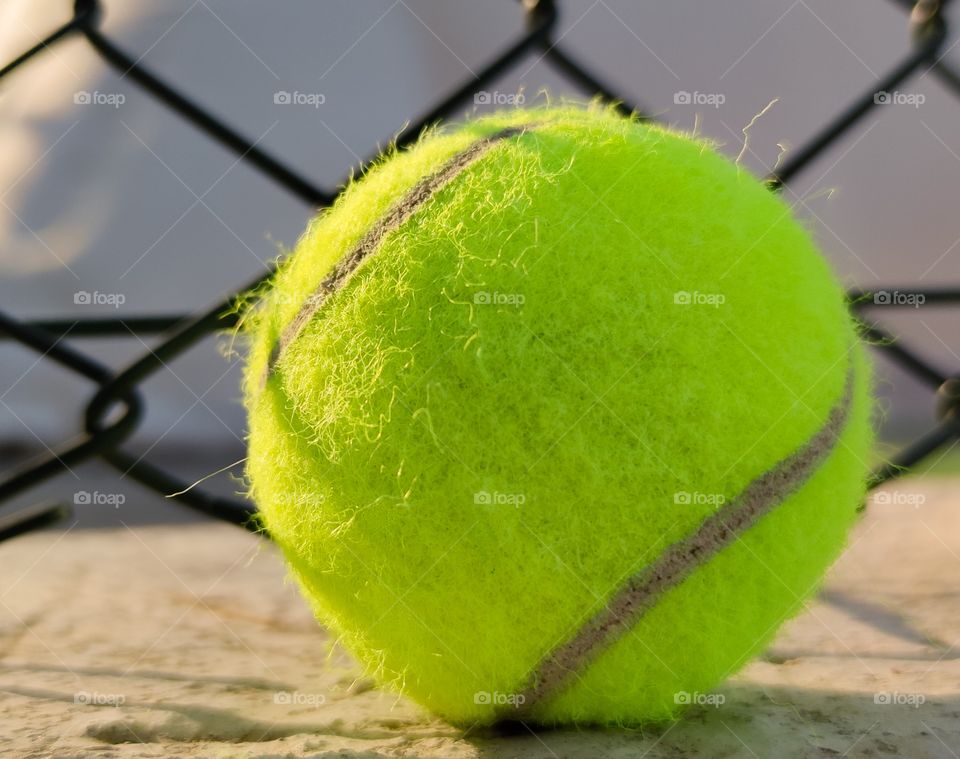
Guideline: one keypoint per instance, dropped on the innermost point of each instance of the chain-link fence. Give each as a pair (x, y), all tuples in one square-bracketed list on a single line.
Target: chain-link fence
[(117, 404)]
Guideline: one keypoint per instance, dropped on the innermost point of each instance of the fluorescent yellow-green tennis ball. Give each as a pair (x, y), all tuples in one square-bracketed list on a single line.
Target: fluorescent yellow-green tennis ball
[(557, 416)]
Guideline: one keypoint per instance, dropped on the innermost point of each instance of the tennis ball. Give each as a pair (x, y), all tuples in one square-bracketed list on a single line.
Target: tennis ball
[(556, 416)]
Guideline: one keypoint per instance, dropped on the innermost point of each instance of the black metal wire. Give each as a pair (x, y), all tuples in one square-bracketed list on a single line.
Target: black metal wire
[(83, 14), (54, 338), (98, 439)]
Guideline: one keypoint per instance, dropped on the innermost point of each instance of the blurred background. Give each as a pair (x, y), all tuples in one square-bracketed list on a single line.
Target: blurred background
[(112, 205)]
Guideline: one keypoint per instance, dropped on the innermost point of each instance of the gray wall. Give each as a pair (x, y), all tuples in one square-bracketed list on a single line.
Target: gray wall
[(130, 200)]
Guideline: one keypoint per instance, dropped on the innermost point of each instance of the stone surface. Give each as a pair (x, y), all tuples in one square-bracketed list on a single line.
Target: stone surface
[(186, 641)]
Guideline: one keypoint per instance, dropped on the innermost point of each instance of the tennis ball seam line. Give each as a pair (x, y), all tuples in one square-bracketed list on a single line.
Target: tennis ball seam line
[(415, 198), (641, 591)]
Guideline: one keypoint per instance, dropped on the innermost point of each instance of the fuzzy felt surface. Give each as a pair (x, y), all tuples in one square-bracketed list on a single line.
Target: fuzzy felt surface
[(558, 366)]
